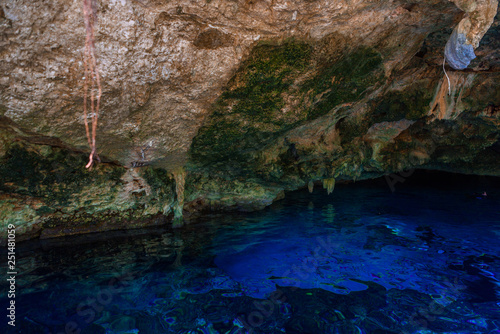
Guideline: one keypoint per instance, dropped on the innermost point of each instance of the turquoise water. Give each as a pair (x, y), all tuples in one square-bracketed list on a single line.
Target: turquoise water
[(422, 259)]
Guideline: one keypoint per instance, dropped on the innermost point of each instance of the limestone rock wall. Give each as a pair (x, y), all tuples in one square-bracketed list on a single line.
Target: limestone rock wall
[(249, 97), (163, 63)]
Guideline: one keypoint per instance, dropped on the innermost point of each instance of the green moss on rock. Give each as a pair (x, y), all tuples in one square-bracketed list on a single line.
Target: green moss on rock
[(411, 104), (162, 187), (345, 80), (483, 92), (253, 111), (268, 73), (249, 113), (158, 179), (51, 173), (225, 193)]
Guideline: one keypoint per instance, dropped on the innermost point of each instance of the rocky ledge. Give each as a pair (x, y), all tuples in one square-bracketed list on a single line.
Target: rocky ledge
[(225, 105)]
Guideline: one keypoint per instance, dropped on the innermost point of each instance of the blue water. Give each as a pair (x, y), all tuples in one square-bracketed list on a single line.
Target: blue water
[(422, 259)]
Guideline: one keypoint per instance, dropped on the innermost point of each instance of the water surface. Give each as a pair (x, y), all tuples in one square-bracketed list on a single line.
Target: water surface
[(422, 259)]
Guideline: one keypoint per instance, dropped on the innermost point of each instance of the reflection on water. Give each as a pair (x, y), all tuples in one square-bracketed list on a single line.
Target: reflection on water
[(362, 260)]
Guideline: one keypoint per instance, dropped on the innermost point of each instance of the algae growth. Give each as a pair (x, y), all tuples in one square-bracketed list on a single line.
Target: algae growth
[(51, 173), (280, 87)]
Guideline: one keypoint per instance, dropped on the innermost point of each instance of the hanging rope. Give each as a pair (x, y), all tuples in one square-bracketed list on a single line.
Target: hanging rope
[(92, 83)]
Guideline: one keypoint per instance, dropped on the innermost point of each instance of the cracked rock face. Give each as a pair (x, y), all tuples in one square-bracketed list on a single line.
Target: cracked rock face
[(249, 97)]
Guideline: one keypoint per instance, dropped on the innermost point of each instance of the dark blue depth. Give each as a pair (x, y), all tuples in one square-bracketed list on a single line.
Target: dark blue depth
[(422, 259)]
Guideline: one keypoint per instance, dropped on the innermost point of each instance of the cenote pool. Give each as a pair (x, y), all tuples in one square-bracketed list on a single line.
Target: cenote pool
[(422, 259)]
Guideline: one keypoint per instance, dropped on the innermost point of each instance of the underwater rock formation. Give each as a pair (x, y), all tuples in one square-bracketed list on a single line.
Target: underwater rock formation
[(250, 98)]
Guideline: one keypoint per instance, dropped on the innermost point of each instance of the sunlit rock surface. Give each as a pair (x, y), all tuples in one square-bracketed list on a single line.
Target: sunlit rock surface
[(251, 98)]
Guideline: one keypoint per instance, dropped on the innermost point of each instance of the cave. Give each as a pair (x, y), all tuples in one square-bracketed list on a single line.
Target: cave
[(259, 166)]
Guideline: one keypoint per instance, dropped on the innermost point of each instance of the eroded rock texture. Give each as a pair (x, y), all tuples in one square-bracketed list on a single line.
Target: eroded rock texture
[(251, 98)]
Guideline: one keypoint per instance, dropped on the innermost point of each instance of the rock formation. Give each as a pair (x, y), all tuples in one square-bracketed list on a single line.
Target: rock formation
[(250, 98), (479, 16)]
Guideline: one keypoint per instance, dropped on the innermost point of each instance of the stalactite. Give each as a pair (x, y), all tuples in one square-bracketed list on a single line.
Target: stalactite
[(329, 185), (180, 179), (310, 186)]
